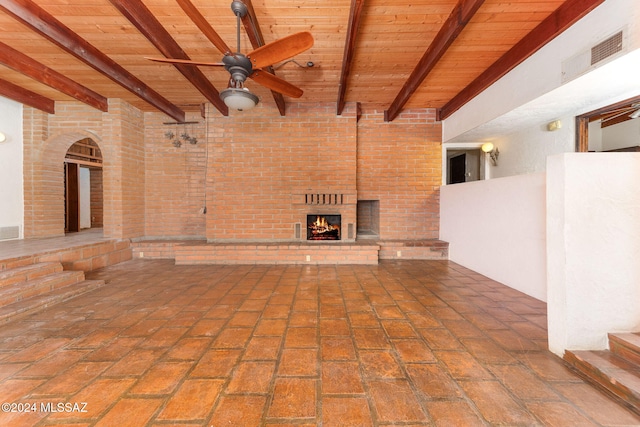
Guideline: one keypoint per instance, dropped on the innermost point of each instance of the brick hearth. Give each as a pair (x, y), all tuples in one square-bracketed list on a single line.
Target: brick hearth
[(190, 252)]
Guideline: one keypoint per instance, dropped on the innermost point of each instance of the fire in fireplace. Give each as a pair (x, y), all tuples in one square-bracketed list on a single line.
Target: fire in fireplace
[(323, 227)]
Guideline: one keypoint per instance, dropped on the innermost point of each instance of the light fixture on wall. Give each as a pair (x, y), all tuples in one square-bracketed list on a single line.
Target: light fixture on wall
[(492, 151), (3, 137), (554, 125)]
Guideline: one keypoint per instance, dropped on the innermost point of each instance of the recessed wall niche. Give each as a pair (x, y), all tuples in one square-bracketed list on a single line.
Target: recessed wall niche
[(368, 219)]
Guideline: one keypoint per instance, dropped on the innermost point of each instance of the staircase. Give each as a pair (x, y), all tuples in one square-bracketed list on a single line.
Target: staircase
[(616, 370), (29, 288)]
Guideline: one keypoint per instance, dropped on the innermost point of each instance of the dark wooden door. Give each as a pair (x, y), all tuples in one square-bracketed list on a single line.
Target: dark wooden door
[(458, 168), (72, 197)]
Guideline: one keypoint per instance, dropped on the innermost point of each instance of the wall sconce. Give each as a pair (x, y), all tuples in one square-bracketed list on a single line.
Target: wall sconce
[(3, 137), (492, 151), (554, 125)]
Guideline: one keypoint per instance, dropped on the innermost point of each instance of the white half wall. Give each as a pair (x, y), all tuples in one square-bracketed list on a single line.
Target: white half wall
[(593, 248), (497, 228), (11, 159)]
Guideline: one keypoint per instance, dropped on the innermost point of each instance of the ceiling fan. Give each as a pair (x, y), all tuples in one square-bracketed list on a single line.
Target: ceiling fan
[(241, 66)]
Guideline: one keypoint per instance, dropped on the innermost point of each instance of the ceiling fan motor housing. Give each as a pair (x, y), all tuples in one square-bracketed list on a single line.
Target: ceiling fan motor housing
[(238, 65)]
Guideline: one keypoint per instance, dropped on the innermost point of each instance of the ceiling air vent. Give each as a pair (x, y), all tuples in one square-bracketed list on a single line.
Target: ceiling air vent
[(606, 48), (590, 58)]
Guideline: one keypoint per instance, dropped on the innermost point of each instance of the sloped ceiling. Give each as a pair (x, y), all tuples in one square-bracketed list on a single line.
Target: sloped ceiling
[(383, 54)]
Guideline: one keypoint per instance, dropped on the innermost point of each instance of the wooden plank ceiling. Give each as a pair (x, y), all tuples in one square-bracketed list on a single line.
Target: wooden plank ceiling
[(387, 55)]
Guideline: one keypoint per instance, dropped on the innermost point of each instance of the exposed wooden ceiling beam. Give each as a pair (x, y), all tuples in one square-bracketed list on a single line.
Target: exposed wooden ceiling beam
[(26, 97), (455, 23), (40, 72), (349, 49), (252, 27), (562, 18), (142, 18), (201, 22), (55, 31)]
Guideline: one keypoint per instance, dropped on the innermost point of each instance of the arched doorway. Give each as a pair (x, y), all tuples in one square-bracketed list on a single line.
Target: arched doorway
[(83, 185)]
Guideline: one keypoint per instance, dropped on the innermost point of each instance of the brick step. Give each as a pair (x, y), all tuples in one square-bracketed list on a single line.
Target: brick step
[(626, 345), (610, 372), (41, 285), (35, 303), (432, 249), (28, 272), (277, 253)]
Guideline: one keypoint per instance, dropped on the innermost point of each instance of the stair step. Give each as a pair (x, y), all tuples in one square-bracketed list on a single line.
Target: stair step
[(20, 291), (626, 345), (611, 372), (30, 305), (28, 272)]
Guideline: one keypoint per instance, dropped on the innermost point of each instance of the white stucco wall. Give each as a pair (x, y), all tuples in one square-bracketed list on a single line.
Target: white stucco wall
[(497, 228), (526, 151), (11, 158), (513, 112), (593, 247)]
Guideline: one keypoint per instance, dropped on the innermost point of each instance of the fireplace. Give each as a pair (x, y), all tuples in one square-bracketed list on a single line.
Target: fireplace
[(323, 227)]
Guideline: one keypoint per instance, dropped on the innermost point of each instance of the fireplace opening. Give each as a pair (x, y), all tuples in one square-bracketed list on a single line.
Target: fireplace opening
[(323, 227)]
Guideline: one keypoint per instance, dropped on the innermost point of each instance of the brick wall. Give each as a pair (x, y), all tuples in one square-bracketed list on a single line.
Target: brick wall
[(399, 164), (97, 211), (261, 165), (120, 136), (252, 174), (46, 140), (175, 176), (38, 223), (124, 166)]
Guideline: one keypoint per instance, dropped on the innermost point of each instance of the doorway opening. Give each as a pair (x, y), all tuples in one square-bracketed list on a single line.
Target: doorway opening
[(83, 186), (463, 165), (611, 128)]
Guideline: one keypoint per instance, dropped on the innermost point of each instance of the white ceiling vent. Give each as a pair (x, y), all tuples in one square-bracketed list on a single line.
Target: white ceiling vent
[(606, 48), (12, 232), (590, 58)]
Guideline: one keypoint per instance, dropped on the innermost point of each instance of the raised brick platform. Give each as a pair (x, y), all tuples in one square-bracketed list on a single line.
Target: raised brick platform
[(277, 253), (431, 249), (84, 257), (201, 252), (361, 252)]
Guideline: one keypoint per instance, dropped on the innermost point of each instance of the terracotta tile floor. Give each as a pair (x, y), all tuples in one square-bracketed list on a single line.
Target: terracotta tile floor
[(411, 343)]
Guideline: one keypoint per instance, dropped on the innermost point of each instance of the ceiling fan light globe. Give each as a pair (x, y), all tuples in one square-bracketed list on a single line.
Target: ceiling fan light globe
[(239, 99)]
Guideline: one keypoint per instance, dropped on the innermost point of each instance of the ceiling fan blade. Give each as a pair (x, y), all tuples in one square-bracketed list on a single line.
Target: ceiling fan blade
[(276, 84), (281, 49), (185, 61)]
